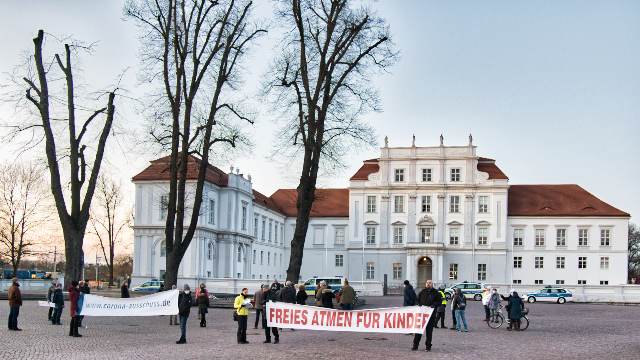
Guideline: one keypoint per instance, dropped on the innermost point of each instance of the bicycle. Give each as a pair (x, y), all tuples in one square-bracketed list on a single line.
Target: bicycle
[(498, 319)]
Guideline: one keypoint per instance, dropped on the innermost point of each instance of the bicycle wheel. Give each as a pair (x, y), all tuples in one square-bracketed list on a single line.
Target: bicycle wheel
[(496, 321), (524, 323)]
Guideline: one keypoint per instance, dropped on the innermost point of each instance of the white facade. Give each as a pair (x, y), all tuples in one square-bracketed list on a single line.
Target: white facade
[(415, 213)]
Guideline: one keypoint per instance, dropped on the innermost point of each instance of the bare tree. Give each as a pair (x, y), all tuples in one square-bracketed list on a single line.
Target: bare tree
[(63, 126), (323, 81), (634, 252), (194, 49), (108, 219), (23, 208)]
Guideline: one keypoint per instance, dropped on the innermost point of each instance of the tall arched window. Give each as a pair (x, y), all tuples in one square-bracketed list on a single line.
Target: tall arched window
[(239, 253), (209, 250), (163, 248)]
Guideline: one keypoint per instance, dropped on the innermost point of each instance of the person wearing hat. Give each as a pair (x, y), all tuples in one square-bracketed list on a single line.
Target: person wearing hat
[(410, 297), (15, 302), (185, 301)]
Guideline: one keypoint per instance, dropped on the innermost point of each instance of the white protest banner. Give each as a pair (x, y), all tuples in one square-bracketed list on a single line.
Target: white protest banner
[(46, 304), (403, 320), (162, 303)]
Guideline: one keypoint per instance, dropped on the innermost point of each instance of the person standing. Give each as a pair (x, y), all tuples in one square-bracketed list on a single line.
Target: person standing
[(269, 295), (494, 304), (442, 308), (326, 295), (173, 319), (58, 300), (301, 295), (84, 288), (257, 304), (202, 299), (347, 296), (427, 297), (74, 296), (240, 305), (184, 309), (410, 298), (485, 303), (124, 290), (52, 288), (288, 293), (515, 311), (453, 313), (460, 303), (15, 302)]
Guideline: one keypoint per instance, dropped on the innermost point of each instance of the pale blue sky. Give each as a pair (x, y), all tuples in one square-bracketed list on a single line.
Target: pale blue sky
[(550, 89)]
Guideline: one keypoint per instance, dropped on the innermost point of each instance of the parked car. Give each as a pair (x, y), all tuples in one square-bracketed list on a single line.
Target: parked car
[(551, 294), (469, 289), (148, 286), (311, 285)]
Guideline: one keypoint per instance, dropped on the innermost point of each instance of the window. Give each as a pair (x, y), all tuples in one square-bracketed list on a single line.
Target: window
[(254, 257), (605, 236), (426, 175), (399, 175), (371, 235), (539, 237), (339, 260), (280, 259), (261, 257), (398, 234), (426, 204), (371, 271), (268, 257), (482, 272), (339, 236), (517, 282), (517, 262), (454, 236), (583, 237), (164, 206), (264, 228), (518, 237), (426, 234), (454, 204), (275, 233), (239, 253), (561, 237), (559, 282), (455, 174), (398, 204), (604, 262), (483, 204), (539, 262), (270, 229), (482, 235), (397, 271), (604, 282), (560, 262), (212, 211), (163, 248), (539, 282), (582, 262), (453, 271), (244, 217), (371, 204), (582, 282), (255, 227), (209, 251)]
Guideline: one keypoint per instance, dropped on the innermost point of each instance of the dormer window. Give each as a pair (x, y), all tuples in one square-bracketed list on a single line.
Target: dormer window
[(455, 175), (399, 175)]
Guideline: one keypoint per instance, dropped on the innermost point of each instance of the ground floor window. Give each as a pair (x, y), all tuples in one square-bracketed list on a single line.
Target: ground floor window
[(604, 282), (371, 271), (482, 272), (339, 260), (582, 282), (517, 281), (559, 282), (397, 271), (539, 282), (453, 271)]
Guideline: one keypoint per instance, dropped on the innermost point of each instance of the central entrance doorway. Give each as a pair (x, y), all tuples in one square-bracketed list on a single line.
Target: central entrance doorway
[(424, 271)]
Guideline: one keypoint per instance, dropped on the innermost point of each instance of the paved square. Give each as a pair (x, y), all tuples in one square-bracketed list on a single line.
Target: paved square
[(571, 331)]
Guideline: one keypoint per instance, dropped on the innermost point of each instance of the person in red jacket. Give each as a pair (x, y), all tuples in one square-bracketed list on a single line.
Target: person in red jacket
[(74, 296), (15, 301)]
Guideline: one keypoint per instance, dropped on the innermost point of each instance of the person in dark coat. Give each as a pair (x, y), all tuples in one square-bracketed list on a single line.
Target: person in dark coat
[(202, 299), (184, 309), (410, 297), (288, 293), (15, 302), (74, 296), (124, 290), (58, 299), (84, 288), (515, 310), (52, 288), (460, 303), (326, 295), (269, 295), (428, 297), (257, 304), (301, 295)]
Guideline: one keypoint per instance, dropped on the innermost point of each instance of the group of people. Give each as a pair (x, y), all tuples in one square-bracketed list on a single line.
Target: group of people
[(437, 300)]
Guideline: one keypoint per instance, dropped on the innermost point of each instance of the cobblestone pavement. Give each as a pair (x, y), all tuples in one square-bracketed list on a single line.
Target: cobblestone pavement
[(571, 331)]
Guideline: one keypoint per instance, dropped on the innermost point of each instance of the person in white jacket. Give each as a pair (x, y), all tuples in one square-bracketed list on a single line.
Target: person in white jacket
[(486, 294)]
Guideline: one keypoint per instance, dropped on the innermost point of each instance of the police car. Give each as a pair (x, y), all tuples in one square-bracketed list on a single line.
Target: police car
[(551, 294), (148, 286), (469, 289)]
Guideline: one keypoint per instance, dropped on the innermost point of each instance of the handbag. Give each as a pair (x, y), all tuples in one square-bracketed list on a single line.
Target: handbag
[(235, 315)]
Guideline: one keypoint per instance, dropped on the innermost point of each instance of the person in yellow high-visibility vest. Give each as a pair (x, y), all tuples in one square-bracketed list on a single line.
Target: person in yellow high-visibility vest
[(440, 311)]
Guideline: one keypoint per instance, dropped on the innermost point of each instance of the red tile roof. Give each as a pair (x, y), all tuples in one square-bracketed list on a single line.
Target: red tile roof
[(327, 203), (265, 201), (557, 200), (159, 170), (489, 166), (369, 167)]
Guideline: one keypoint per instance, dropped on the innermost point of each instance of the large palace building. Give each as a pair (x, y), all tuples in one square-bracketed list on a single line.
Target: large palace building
[(416, 213)]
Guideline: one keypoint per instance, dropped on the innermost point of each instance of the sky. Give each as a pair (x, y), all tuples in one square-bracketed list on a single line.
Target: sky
[(550, 89)]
